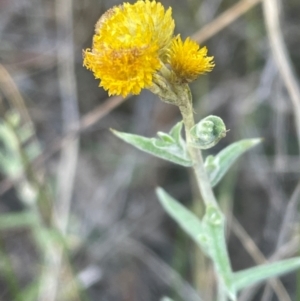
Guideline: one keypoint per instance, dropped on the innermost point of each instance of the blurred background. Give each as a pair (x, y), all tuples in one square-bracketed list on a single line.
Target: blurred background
[(79, 219)]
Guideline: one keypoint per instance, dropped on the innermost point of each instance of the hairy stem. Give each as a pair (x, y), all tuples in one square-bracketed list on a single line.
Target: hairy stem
[(186, 109)]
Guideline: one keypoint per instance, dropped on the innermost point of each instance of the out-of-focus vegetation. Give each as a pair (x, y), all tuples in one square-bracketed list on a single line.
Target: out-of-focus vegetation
[(79, 219)]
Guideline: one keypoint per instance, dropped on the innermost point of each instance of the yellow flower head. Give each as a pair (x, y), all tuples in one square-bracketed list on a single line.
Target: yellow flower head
[(188, 60), (129, 44)]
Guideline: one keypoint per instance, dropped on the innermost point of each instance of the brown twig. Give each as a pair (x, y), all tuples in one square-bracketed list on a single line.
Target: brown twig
[(223, 20)]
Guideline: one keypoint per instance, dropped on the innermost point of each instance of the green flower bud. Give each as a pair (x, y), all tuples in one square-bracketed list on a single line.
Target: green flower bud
[(208, 132)]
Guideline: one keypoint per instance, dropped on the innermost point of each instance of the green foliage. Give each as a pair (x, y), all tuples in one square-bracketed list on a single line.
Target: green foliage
[(188, 221), (170, 147), (214, 229), (260, 273), (17, 150), (217, 166), (14, 138), (209, 234), (16, 220), (10, 159)]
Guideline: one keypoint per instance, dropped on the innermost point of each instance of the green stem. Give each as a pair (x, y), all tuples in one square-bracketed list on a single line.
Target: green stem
[(221, 293), (213, 220), (186, 109)]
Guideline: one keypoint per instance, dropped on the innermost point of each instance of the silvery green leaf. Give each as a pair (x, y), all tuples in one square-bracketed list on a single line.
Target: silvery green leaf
[(208, 132), (187, 220), (175, 132), (214, 227), (260, 273), (168, 139), (217, 166), (170, 147)]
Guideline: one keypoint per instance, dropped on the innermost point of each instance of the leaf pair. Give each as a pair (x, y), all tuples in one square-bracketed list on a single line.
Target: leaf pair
[(172, 147)]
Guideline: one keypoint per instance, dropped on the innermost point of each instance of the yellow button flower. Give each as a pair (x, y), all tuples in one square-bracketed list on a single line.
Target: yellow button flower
[(188, 60), (130, 43)]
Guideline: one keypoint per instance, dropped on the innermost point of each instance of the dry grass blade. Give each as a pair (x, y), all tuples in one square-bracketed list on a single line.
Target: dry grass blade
[(290, 217), (100, 111), (166, 273), (280, 53), (10, 90), (67, 165), (224, 20)]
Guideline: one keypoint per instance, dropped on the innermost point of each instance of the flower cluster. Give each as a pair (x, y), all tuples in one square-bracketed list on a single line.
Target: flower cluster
[(134, 42)]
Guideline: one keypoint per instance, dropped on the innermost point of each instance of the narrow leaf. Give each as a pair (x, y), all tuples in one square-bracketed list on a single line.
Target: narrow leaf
[(16, 220), (260, 273), (188, 221), (174, 153), (217, 166), (166, 137), (214, 227), (175, 132)]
